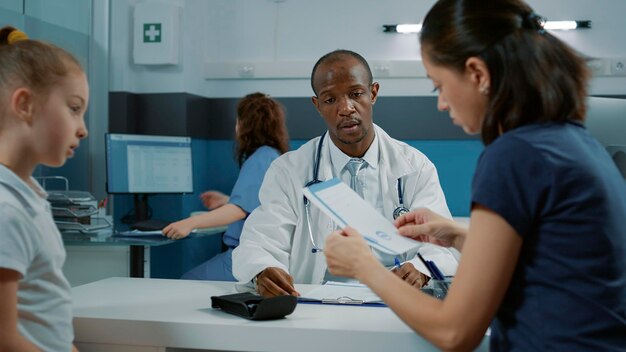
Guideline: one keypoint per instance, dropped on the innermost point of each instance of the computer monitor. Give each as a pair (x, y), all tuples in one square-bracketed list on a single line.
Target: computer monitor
[(148, 164), (143, 165)]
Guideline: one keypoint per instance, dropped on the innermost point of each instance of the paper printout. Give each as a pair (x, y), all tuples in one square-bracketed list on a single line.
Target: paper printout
[(138, 233), (346, 208)]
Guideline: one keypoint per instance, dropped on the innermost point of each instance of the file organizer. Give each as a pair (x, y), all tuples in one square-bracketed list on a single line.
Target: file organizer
[(73, 210)]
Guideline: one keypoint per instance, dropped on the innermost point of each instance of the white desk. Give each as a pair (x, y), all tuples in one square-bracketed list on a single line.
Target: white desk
[(123, 314)]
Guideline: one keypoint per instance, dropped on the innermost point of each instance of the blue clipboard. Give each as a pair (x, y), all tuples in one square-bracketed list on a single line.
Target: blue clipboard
[(343, 294), (342, 301)]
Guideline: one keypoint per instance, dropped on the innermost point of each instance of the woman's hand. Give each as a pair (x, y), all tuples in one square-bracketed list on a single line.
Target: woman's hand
[(179, 229), (347, 254), (425, 225), (214, 199)]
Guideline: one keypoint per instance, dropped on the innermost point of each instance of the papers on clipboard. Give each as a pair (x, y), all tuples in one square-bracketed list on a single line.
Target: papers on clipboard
[(343, 293), (346, 208)]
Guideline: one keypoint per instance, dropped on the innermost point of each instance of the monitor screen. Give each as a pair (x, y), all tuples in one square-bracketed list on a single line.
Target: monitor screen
[(148, 164)]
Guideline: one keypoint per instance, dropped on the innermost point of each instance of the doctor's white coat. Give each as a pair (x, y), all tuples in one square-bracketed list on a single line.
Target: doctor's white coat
[(276, 234)]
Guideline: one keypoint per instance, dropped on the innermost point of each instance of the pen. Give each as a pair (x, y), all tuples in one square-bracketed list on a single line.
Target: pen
[(432, 274), (396, 263), (436, 270)]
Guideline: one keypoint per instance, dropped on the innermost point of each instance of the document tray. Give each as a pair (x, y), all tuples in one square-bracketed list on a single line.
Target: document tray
[(254, 307)]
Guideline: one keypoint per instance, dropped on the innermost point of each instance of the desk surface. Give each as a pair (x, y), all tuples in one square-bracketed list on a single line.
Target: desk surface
[(106, 238), (178, 313)]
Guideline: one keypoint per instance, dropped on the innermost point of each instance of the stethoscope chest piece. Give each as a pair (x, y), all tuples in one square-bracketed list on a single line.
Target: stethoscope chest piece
[(399, 211)]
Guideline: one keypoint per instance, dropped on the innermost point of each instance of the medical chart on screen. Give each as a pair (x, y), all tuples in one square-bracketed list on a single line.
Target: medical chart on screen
[(346, 208), (158, 168)]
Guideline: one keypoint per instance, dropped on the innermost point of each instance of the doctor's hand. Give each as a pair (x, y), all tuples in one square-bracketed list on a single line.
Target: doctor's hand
[(179, 229), (214, 199), (425, 225), (275, 282), (347, 254), (412, 276)]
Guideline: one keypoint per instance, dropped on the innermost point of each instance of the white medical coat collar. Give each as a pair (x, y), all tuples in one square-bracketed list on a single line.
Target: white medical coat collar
[(397, 164), (339, 159)]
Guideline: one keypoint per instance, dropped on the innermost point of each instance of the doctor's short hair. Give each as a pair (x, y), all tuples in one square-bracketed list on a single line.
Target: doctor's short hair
[(261, 122), (535, 77), (31, 63), (338, 55)]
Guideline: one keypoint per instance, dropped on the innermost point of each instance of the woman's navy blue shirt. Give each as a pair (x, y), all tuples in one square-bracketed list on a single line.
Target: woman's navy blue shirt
[(562, 193)]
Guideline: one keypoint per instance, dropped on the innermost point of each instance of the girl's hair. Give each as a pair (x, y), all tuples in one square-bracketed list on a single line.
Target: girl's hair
[(261, 122), (31, 63), (535, 77)]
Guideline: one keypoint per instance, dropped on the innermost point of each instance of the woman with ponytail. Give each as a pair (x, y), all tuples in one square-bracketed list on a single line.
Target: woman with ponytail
[(544, 257)]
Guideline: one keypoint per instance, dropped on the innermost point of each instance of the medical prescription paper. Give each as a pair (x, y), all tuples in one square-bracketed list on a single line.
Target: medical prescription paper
[(346, 208)]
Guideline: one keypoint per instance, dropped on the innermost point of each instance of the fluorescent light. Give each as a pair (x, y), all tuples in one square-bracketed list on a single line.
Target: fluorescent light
[(409, 28), (402, 28), (560, 25), (566, 25), (549, 25)]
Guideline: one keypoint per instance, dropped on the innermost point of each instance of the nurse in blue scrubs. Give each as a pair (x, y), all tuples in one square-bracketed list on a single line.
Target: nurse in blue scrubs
[(261, 136)]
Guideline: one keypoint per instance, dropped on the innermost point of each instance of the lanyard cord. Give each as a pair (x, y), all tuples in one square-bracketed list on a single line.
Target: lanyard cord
[(400, 195)]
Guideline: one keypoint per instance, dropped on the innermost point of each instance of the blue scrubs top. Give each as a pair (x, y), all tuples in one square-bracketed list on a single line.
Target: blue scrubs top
[(245, 194), (562, 193)]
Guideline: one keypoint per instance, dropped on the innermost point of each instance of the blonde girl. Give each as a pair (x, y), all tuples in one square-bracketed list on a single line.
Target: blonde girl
[(43, 99)]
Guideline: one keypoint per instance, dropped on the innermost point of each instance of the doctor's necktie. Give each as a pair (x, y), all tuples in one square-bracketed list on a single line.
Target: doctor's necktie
[(354, 166)]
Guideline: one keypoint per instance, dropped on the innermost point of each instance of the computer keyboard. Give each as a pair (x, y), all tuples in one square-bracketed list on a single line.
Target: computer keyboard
[(149, 225)]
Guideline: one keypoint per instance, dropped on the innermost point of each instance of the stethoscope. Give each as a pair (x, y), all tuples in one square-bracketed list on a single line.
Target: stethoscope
[(397, 212)]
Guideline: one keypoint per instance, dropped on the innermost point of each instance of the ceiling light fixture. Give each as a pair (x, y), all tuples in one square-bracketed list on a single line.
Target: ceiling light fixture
[(409, 28), (566, 25)]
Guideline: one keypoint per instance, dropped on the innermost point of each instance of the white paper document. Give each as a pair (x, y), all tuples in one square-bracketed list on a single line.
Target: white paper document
[(346, 208), (138, 233), (334, 292)]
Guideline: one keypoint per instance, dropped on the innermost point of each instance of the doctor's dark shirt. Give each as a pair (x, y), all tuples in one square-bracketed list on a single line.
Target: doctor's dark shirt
[(245, 193), (562, 193)]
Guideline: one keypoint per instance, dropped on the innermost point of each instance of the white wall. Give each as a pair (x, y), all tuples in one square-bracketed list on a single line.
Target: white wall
[(58, 13), (302, 30), (13, 5)]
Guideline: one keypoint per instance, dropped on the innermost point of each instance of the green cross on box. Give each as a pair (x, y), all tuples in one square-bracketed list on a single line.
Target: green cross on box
[(151, 32)]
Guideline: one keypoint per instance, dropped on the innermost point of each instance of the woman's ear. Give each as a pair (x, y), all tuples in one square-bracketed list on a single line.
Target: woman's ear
[(22, 104), (478, 73)]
